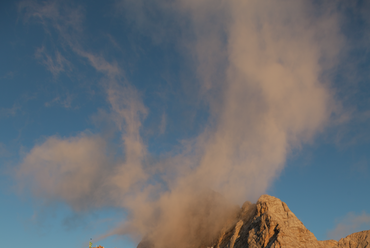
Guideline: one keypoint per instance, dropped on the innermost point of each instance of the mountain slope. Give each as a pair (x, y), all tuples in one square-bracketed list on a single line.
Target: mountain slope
[(270, 224)]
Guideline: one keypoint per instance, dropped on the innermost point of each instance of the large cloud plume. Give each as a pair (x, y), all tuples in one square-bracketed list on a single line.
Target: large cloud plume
[(260, 66)]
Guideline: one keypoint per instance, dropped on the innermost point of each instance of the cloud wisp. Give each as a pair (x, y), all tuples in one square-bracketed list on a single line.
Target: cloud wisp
[(349, 224), (56, 65), (260, 70)]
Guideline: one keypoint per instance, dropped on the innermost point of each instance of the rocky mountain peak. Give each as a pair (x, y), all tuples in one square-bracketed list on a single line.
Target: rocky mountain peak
[(270, 224)]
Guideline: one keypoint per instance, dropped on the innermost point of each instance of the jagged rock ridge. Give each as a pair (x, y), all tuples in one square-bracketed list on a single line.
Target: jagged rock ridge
[(270, 224)]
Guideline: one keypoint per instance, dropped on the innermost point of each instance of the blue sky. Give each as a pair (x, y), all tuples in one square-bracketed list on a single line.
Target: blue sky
[(114, 112)]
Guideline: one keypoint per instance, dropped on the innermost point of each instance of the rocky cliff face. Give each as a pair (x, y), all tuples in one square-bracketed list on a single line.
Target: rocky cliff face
[(355, 240), (270, 224)]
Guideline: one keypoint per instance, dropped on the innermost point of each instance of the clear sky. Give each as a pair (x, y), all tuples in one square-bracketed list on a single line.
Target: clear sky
[(116, 114)]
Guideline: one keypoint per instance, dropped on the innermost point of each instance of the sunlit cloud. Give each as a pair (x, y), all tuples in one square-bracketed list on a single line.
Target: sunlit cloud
[(349, 224), (260, 73), (70, 170)]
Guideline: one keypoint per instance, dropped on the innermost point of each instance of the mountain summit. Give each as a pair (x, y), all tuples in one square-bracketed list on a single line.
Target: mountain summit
[(270, 224)]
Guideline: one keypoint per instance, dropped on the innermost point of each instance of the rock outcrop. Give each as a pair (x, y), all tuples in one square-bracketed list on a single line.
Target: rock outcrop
[(270, 224), (355, 240)]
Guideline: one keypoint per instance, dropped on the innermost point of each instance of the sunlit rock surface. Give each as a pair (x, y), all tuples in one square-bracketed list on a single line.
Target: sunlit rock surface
[(270, 224), (356, 240)]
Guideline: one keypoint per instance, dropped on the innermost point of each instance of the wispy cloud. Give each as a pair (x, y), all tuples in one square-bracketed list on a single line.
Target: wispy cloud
[(111, 70), (259, 68), (54, 65), (8, 75), (163, 124), (66, 102), (8, 112), (4, 152), (349, 224), (54, 15)]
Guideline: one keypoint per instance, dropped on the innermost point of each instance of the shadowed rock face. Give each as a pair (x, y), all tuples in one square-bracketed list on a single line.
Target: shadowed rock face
[(270, 224)]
